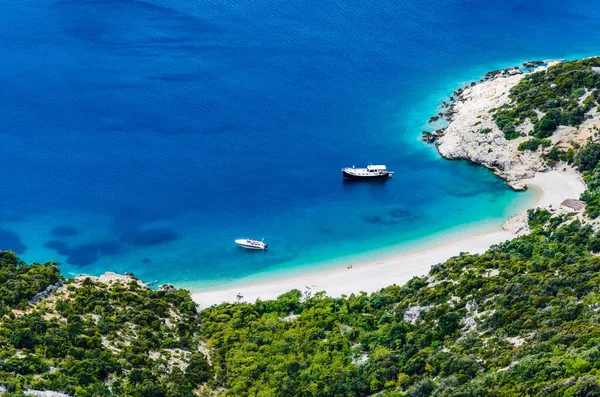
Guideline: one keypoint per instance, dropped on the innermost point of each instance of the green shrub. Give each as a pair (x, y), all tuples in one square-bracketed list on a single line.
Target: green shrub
[(533, 144), (555, 93)]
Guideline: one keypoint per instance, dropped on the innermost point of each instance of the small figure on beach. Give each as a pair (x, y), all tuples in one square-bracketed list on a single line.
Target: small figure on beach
[(349, 267)]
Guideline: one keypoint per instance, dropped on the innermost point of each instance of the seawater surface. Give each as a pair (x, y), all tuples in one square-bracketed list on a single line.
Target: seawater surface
[(145, 136)]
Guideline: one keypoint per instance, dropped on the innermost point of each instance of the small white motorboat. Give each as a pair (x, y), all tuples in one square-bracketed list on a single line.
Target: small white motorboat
[(252, 244)]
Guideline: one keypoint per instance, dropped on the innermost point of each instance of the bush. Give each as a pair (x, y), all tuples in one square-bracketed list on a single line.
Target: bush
[(577, 92), (198, 370), (555, 93), (533, 144), (423, 388), (587, 157)]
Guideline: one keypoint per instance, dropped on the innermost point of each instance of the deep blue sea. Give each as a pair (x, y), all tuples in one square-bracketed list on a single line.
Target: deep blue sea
[(145, 136)]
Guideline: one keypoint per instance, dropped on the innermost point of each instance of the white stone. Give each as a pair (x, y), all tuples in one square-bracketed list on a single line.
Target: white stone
[(518, 224), (413, 313)]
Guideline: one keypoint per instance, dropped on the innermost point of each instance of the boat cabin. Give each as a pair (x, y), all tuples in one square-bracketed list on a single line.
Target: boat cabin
[(376, 168)]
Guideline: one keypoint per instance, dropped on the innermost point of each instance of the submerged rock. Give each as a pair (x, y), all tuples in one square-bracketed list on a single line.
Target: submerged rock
[(428, 137), (532, 64), (166, 287)]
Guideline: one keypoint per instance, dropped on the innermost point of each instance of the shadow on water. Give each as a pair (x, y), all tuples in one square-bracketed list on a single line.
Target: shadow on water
[(360, 184), (11, 240), (378, 181), (394, 217), (246, 251)]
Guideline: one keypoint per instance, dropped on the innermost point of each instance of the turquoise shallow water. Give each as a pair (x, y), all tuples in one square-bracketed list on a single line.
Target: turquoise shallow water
[(146, 136)]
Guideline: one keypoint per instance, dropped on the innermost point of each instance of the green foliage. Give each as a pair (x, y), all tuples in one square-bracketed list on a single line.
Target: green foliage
[(100, 340), (587, 161), (506, 123), (554, 93), (20, 282), (485, 130), (533, 144), (554, 155), (587, 157), (577, 92)]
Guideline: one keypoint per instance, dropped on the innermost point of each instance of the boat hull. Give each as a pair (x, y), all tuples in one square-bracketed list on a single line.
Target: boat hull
[(249, 247), (252, 244), (350, 176)]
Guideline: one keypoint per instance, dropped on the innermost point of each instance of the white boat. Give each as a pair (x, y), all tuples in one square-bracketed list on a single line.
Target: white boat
[(252, 244), (370, 172)]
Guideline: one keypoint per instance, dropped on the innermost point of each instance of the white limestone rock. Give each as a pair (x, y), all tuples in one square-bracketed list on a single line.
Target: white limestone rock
[(413, 313), (112, 277), (46, 393), (471, 114), (518, 224)]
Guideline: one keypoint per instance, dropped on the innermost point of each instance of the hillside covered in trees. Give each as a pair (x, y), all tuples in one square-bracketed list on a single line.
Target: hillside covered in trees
[(87, 338)]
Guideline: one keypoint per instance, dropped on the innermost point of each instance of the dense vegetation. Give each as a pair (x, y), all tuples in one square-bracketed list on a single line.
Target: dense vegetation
[(533, 144), (588, 163), (20, 282), (97, 339), (558, 96)]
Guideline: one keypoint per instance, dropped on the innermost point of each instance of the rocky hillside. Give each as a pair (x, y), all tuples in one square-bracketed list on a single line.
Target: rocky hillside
[(96, 336), (521, 121)]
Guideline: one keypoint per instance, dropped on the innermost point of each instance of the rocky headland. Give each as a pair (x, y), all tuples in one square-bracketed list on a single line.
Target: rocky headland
[(473, 134)]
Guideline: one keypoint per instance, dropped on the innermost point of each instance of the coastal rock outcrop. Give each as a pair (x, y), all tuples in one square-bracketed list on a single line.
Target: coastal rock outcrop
[(166, 287), (51, 288), (518, 224), (473, 135), (532, 64), (112, 277)]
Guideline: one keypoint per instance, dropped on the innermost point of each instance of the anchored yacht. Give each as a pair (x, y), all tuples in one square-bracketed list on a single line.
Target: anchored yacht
[(371, 172), (252, 244)]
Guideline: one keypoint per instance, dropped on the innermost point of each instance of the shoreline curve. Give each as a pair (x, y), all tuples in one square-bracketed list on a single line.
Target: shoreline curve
[(370, 276)]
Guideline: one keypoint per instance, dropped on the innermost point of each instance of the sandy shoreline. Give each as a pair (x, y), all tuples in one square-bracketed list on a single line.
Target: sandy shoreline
[(553, 187)]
